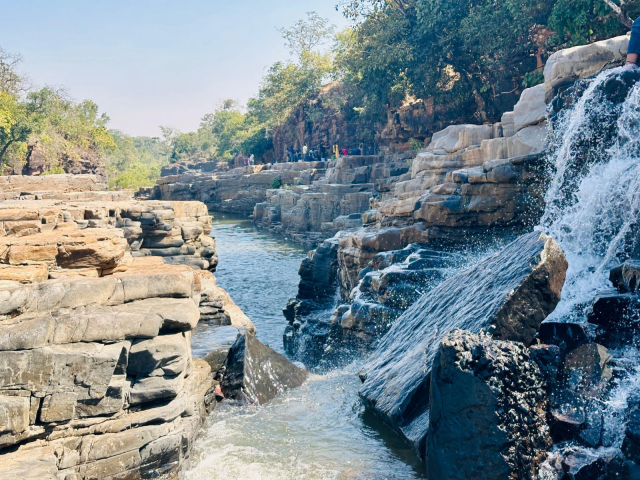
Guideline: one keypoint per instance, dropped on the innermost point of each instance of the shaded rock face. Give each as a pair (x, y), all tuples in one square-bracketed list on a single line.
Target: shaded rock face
[(307, 314), (508, 294), (488, 411), (255, 373)]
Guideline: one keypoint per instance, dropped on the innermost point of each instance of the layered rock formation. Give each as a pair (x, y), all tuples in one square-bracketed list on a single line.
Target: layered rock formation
[(313, 201), (98, 300), (99, 380)]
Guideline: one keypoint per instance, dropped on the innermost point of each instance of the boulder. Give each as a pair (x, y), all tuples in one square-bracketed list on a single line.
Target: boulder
[(617, 317), (255, 373), (531, 109), (218, 344), (508, 294), (567, 335), (477, 386), (583, 62), (626, 277), (587, 370)]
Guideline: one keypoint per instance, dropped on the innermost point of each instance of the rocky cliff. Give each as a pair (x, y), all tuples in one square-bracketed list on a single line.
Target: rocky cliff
[(98, 299)]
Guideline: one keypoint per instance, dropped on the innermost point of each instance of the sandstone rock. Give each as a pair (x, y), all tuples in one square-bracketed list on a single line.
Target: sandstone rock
[(531, 109), (153, 389), (256, 374), (24, 273), (583, 62), (509, 294), (476, 386), (14, 414), (168, 353)]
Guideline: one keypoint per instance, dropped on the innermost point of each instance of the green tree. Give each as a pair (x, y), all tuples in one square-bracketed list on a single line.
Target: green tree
[(17, 122)]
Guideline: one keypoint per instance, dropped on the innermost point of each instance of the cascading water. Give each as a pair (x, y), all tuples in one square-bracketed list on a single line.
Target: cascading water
[(593, 208), (593, 197)]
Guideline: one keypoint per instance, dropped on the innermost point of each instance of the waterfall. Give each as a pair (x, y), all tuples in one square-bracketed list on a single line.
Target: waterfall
[(593, 198), (592, 210)]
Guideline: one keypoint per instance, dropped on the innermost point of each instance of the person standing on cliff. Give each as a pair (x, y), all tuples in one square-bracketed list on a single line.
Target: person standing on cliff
[(634, 46)]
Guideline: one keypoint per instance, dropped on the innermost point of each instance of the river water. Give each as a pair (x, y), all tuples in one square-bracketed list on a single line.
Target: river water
[(317, 431)]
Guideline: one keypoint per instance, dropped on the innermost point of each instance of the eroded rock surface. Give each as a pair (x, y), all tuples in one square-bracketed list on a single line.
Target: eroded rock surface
[(508, 295), (488, 411)]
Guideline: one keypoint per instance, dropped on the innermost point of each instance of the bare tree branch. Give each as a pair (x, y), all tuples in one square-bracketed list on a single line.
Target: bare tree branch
[(621, 12)]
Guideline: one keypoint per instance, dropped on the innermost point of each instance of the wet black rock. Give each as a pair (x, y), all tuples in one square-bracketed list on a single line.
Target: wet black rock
[(626, 277), (308, 313), (508, 294), (566, 335), (548, 358), (220, 343), (488, 404), (631, 442), (577, 396), (255, 373), (617, 316)]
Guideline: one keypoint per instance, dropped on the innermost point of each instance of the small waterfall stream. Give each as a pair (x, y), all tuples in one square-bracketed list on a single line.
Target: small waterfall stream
[(593, 208)]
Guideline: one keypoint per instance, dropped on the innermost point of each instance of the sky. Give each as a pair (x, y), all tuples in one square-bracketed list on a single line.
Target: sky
[(148, 63)]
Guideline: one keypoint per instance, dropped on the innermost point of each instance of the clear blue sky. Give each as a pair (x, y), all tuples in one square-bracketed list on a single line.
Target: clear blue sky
[(152, 62)]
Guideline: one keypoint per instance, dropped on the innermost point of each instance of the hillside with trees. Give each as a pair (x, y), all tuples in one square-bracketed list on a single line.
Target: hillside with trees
[(451, 61)]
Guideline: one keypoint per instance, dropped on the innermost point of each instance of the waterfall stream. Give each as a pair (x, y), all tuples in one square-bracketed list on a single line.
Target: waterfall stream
[(593, 207)]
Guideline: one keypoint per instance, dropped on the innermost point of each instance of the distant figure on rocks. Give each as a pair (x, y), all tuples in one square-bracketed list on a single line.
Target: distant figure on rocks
[(305, 149), (252, 159), (345, 152), (634, 46), (290, 153)]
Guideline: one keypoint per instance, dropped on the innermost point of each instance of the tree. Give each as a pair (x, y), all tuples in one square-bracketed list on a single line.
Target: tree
[(17, 122), (306, 35), (10, 80)]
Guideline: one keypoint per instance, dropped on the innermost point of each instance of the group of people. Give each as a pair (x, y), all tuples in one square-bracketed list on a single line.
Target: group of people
[(306, 155), (249, 160), (319, 154)]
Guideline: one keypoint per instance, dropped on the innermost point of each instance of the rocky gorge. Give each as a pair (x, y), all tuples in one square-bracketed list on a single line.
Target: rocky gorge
[(484, 289), (100, 295)]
